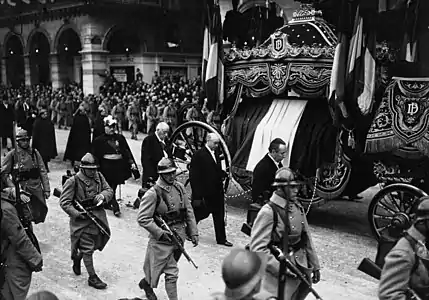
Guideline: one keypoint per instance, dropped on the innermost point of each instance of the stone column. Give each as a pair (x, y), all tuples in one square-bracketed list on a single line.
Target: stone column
[(55, 71), (77, 64), (3, 71), (94, 58), (27, 70), (94, 68)]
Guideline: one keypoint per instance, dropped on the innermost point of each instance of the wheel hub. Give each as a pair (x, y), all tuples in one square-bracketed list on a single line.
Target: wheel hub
[(401, 221)]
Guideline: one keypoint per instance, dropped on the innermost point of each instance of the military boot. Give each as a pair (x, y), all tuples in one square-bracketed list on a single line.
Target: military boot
[(77, 264), (96, 282), (150, 294)]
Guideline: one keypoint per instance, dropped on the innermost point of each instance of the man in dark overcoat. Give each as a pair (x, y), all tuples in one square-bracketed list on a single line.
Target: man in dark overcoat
[(21, 257), (90, 189), (79, 140), (265, 170), (115, 158), (206, 177), (44, 137), (7, 117), (153, 149)]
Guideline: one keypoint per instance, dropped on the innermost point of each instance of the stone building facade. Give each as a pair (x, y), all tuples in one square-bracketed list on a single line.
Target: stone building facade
[(60, 41)]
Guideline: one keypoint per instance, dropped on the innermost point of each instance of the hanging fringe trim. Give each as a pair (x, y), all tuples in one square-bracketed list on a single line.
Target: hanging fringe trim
[(383, 145)]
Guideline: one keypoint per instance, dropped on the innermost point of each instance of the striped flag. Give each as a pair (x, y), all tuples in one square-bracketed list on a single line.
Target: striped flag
[(206, 51), (214, 76), (360, 77), (339, 67)]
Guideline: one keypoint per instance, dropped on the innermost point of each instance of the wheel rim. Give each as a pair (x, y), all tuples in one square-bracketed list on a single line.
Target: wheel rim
[(190, 137), (391, 211)]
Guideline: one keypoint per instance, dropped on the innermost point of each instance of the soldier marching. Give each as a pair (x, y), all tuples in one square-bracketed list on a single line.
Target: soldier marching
[(169, 200), (82, 199), (26, 166)]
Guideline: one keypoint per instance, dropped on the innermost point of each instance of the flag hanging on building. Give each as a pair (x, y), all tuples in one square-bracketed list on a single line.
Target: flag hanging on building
[(206, 50), (214, 76), (360, 76)]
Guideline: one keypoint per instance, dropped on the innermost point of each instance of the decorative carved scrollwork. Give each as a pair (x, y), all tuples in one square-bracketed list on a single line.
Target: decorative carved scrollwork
[(307, 79), (333, 179)]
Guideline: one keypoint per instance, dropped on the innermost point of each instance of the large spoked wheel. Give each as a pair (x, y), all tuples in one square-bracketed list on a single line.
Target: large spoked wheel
[(190, 137), (391, 210)]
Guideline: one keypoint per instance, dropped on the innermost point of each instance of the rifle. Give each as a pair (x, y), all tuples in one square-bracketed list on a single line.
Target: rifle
[(278, 254), (94, 219), (370, 268), (177, 240), (19, 203)]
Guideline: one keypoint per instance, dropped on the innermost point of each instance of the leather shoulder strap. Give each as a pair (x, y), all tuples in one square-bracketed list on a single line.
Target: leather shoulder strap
[(276, 213)]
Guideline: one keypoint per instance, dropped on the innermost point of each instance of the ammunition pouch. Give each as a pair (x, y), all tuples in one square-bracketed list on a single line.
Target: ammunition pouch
[(33, 173), (174, 217)]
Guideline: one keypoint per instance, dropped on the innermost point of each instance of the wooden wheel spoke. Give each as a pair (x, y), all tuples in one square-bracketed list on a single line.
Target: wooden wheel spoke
[(187, 143), (380, 203), (379, 230), (392, 200), (382, 217)]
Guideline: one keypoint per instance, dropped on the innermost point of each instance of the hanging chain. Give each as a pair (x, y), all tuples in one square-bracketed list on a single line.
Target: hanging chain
[(314, 194)]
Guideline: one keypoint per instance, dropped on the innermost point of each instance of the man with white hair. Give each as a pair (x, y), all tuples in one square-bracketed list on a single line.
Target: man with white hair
[(206, 177), (154, 147)]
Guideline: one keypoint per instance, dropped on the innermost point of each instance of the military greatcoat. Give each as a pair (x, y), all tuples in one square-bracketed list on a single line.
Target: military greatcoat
[(78, 188), (403, 270), (37, 185), (21, 256), (300, 242), (159, 254)]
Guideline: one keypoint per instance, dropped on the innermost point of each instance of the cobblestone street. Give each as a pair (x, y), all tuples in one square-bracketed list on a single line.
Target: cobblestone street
[(341, 237)]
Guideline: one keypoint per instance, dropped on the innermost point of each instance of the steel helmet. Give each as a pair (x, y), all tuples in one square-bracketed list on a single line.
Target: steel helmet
[(22, 134), (166, 165), (286, 177), (88, 162), (242, 271), (422, 210)]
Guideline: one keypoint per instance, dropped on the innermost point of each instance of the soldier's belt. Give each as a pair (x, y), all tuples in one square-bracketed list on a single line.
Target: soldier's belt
[(295, 247), (33, 173), (112, 156)]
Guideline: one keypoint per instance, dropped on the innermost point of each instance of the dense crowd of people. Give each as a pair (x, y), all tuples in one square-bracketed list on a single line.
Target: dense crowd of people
[(138, 106)]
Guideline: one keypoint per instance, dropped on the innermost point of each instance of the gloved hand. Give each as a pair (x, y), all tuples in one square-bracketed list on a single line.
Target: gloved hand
[(98, 200), (47, 195), (25, 198), (166, 237), (316, 276), (81, 216), (39, 267), (290, 274), (195, 240)]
